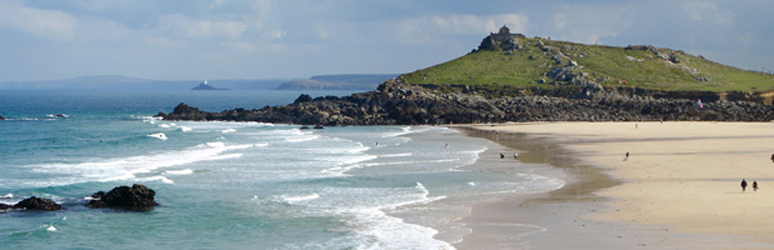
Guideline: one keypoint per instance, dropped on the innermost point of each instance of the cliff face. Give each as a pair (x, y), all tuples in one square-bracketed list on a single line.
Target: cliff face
[(399, 103)]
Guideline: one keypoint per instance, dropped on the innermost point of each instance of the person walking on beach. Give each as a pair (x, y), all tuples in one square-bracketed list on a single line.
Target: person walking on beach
[(502, 156), (772, 157), (744, 185), (515, 155), (755, 186), (627, 156)]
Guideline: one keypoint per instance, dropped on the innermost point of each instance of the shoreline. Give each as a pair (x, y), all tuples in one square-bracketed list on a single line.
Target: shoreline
[(639, 210), (555, 214)]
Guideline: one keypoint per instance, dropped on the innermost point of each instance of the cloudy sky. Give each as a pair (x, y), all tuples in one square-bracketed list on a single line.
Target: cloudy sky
[(257, 39)]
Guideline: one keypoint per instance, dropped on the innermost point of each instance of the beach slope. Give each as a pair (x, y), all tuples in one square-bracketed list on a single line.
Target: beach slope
[(681, 178)]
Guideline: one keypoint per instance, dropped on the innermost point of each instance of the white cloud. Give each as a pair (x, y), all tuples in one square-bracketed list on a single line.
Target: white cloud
[(278, 34), (588, 24), (697, 11), (263, 10), (47, 23), (181, 25), (431, 28)]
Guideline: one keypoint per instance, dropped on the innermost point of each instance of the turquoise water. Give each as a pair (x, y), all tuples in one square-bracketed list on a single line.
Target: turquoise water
[(227, 185)]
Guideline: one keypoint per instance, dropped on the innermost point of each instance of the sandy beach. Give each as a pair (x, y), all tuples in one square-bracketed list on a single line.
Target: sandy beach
[(678, 189)]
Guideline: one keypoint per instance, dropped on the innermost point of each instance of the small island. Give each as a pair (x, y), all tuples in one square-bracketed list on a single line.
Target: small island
[(510, 77), (206, 86)]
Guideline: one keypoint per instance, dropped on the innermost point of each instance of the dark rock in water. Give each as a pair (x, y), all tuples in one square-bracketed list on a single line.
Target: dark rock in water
[(304, 127), (2, 118), (4, 207), (318, 126), (39, 204), (138, 197), (61, 116)]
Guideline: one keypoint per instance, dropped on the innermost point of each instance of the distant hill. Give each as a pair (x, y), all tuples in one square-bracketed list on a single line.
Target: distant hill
[(129, 83), (514, 61), (339, 82)]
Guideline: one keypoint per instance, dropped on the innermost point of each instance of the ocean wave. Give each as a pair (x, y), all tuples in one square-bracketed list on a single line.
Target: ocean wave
[(126, 168), (186, 171), (160, 136), (302, 138), (396, 155), (404, 131), (299, 198), (161, 178)]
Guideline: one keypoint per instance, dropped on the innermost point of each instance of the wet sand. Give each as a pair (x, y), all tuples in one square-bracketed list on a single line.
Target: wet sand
[(678, 190)]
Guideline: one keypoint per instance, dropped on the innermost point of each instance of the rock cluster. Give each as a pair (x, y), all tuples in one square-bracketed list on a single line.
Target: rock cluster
[(34, 204), (138, 197), (399, 103)]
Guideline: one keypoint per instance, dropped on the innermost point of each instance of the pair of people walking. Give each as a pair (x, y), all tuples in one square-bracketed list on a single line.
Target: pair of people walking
[(744, 185)]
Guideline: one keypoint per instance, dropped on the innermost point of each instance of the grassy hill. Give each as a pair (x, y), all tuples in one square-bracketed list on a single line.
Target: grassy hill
[(528, 65)]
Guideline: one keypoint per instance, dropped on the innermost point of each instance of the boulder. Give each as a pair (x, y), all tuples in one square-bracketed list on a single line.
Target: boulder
[(137, 198), (38, 204), (2, 118)]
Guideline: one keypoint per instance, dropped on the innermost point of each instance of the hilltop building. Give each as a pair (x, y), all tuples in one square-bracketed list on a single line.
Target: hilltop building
[(503, 40)]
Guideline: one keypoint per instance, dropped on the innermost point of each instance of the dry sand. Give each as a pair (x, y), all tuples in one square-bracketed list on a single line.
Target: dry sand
[(679, 189)]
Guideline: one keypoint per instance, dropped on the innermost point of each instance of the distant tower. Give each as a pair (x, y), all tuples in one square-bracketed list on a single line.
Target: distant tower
[(502, 40), (504, 30)]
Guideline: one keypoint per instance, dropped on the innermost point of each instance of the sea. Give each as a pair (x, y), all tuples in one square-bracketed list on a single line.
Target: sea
[(236, 185)]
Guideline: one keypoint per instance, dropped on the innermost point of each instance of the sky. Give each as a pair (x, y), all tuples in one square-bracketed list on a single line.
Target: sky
[(266, 39)]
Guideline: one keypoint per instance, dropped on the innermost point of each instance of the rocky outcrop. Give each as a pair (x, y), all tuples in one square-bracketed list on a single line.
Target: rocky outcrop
[(2, 118), (34, 204), (397, 102), (137, 198), (39, 204)]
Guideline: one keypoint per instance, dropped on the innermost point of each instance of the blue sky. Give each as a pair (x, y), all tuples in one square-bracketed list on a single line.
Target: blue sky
[(230, 39)]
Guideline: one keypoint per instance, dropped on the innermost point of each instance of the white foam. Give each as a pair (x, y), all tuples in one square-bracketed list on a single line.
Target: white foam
[(125, 176), (237, 147), (7, 196), (472, 184), (228, 131), (184, 128), (300, 198), (396, 155), (226, 156), (301, 138), (404, 131), (164, 126), (186, 171), (51, 228), (161, 178), (160, 136), (126, 168)]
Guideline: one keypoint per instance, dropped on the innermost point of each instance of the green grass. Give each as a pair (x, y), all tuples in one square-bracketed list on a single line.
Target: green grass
[(606, 65)]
